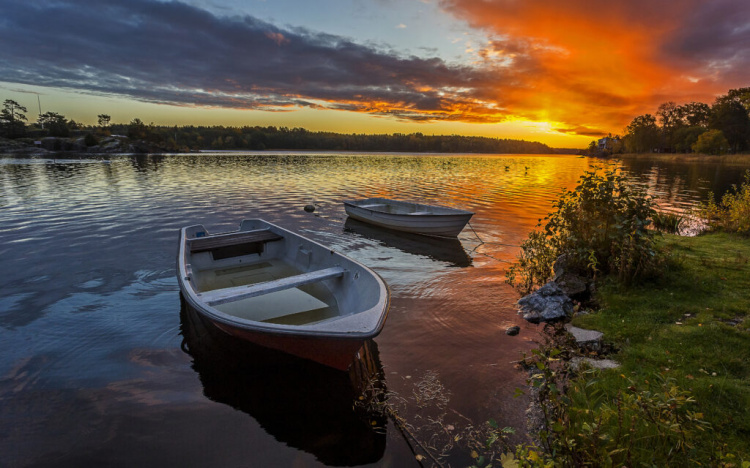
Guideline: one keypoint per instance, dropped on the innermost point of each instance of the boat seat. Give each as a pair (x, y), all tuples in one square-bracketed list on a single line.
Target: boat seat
[(203, 244), (420, 213), (236, 293), (372, 206)]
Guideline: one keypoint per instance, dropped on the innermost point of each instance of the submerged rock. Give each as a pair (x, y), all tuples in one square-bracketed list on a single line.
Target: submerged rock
[(546, 304), (309, 208), (513, 331)]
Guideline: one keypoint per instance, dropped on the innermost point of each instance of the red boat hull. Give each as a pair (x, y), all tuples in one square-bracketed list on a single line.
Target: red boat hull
[(333, 352)]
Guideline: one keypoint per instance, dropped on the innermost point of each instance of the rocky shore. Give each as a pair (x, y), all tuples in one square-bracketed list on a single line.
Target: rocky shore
[(104, 145)]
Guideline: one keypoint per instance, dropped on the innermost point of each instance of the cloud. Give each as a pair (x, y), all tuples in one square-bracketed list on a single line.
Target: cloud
[(177, 54), (585, 66), (594, 64)]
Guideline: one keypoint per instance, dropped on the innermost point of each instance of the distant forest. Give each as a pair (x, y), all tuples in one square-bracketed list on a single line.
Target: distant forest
[(13, 124)]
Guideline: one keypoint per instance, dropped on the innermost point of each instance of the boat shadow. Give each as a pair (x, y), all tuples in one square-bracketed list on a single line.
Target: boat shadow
[(442, 249), (303, 404)]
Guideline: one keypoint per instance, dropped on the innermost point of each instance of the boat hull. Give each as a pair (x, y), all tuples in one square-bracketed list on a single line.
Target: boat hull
[(336, 353), (409, 217)]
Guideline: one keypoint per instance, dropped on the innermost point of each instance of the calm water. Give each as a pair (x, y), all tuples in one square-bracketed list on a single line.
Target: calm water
[(100, 365)]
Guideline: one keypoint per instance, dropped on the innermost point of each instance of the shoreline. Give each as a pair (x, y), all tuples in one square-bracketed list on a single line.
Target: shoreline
[(738, 159)]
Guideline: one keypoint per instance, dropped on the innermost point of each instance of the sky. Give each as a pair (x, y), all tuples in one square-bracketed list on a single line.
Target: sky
[(562, 72)]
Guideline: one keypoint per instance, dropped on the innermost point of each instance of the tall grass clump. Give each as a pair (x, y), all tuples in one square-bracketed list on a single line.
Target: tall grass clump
[(668, 222), (732, 213), (601, 227)]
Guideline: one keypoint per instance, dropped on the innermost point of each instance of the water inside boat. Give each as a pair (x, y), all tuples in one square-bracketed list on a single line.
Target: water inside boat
[(303, 305)]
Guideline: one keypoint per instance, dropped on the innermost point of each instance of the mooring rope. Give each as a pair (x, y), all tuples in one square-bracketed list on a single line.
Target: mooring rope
[(482, 242)]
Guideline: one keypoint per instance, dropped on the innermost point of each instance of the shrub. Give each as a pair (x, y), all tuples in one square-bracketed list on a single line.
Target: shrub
[(711, 142), (732, 214), (601, 227), (90, 140)]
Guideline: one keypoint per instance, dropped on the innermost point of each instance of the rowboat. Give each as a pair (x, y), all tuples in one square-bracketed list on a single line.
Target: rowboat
[(277, 289), (406, 216), (448, 250)]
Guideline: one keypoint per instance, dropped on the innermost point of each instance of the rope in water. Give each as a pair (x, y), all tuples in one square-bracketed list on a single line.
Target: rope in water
[(482, 242)]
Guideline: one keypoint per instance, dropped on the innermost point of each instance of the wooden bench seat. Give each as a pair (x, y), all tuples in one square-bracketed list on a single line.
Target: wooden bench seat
[(203, 244), (223, 296)]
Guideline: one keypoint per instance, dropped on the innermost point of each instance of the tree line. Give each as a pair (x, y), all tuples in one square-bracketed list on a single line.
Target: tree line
[(695, 127), (14, 124)]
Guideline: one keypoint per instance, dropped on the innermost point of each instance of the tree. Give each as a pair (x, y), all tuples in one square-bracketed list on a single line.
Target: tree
[(55, 123), (685, 137), (740, 95), (711, 142), (103, 120), (642, 135), (137, 130), (12, 118), (731, 117), (695, 114)]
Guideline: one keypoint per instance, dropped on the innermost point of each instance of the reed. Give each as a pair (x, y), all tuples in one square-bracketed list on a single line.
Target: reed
[(670, 223)]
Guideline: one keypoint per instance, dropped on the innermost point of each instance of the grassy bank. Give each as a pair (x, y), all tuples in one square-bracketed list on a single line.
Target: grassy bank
[(739, 159), (691, 326)]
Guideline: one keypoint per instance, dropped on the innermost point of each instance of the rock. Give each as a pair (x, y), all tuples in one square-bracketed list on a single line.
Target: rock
[(513, 331), (572, 284), (586, 339), (546, 304), (309, 208), (577, 362)]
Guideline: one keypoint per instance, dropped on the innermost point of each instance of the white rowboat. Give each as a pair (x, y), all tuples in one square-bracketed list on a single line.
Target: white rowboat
[(406, 216), (283, 291)]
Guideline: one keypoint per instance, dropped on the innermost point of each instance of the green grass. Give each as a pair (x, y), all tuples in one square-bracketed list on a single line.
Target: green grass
[(691, 325)]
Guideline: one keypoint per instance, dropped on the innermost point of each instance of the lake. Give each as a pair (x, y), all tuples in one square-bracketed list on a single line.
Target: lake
[(102, 366)]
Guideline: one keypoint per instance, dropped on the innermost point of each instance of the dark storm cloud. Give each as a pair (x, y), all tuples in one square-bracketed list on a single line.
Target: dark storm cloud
[(178, 54), (716, 35)]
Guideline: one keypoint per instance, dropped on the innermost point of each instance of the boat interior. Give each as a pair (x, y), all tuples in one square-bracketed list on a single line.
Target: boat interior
[(251, 275)]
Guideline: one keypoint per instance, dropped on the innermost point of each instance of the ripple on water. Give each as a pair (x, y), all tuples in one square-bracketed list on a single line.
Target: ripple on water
[(89, 254)]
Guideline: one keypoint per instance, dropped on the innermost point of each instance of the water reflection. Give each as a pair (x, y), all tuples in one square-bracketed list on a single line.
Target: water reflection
[(448, 250), (303, 404)]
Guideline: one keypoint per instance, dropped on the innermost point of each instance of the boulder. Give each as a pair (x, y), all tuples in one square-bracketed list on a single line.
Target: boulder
[(572, 284), (546, 304)]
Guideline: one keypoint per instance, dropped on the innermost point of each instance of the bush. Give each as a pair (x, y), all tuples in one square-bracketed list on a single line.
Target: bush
[(90, 140), (711, 142), (601, 227), (732, 214)]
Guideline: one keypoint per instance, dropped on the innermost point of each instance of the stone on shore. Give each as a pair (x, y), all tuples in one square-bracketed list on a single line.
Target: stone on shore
[(586, 339), (578, 361), (546, 304)]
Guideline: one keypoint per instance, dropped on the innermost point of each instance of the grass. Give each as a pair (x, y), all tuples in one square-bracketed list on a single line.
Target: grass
[(692, 326)]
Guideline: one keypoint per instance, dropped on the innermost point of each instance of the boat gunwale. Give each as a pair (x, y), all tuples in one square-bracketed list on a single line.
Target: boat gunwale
[(355, 203)]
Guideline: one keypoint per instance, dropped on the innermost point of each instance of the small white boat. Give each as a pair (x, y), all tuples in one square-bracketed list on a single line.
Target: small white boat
[(406, 216), (283, 291)]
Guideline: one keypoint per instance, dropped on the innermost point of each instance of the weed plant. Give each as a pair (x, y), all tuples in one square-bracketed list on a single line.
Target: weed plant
[(601, 227), (732, 213), (668, 222)]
